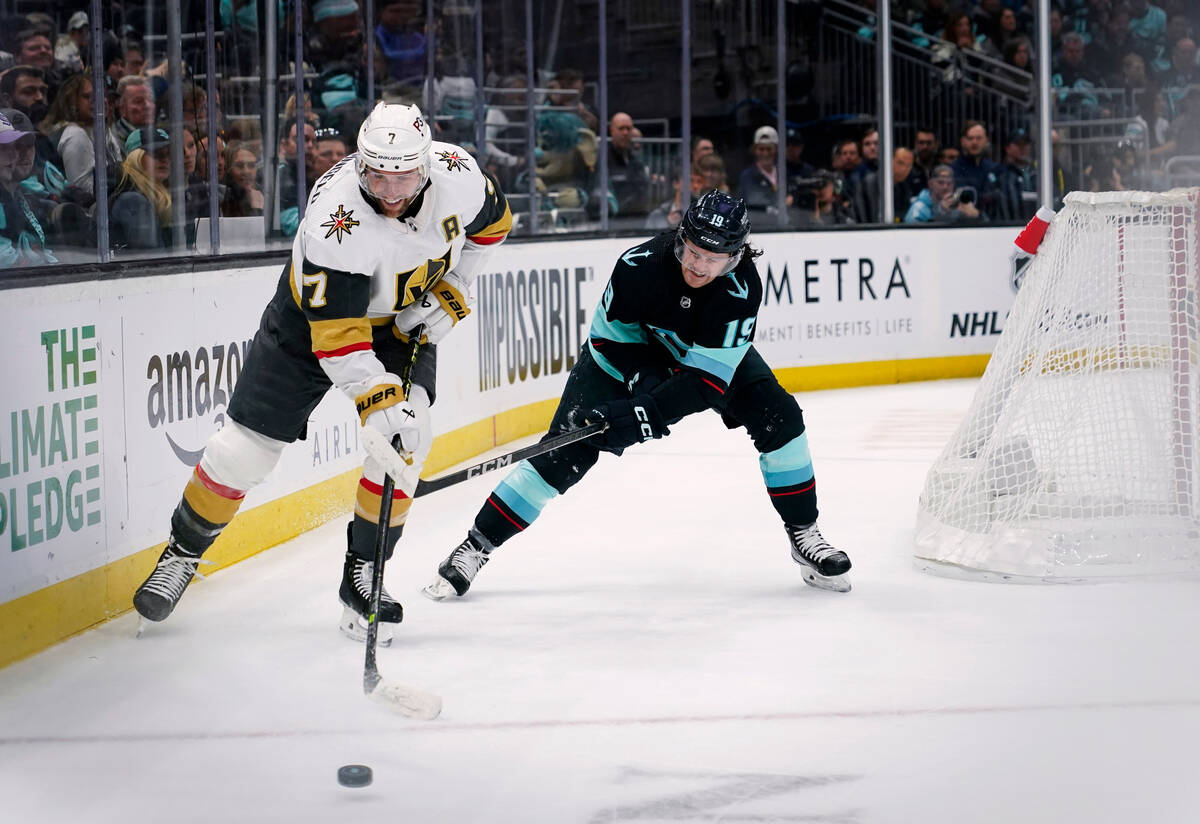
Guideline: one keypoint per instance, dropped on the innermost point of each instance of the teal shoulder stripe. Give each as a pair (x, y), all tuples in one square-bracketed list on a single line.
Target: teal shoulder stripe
[(615, 330), (719, 362)]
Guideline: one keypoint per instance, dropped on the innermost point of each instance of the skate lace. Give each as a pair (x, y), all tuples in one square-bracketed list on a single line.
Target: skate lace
[(468, 560), (810, 543), (173, 573), (363, 575)]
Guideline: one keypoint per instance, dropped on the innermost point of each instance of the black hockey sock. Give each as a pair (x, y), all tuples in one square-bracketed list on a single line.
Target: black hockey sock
[(795, 504), (361, 534), (497, 522)]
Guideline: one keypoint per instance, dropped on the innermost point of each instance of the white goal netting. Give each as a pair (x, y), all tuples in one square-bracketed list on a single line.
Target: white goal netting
[(1077, 457)]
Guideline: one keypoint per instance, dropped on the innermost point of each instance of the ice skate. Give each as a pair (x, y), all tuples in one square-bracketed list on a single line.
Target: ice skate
[(458, 570), (158, 594), (355, 594), (824, 566)]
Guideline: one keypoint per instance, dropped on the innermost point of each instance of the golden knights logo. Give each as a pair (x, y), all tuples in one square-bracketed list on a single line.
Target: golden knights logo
[(452, 160), (411, 285), (339, 222)]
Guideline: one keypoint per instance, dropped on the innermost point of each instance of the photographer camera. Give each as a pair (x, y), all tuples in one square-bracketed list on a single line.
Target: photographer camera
[(818, 200), (942, 202)]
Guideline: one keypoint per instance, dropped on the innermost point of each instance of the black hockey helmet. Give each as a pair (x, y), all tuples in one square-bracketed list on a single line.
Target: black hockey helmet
[(717, 222)]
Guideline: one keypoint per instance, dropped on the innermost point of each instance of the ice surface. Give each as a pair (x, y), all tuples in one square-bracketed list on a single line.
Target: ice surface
[(647, 652)]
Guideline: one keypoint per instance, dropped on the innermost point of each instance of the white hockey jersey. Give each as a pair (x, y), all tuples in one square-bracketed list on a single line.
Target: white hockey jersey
[(352, 267)]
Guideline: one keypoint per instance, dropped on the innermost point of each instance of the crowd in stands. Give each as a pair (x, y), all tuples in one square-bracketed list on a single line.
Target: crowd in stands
[(1132, 61)]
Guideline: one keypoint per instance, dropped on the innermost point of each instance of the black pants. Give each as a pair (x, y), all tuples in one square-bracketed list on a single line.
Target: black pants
[(754, 400)]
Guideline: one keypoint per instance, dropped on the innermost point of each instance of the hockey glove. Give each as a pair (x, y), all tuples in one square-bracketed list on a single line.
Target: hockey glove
[(629, 421), (439, 309), (384, 408)]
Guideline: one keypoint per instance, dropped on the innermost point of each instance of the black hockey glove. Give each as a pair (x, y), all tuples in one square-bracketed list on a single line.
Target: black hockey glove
[(629, 421)]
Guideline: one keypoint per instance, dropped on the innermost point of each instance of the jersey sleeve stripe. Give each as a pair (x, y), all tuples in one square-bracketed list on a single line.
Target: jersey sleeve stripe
[(340, 336), (494, 232), (494, 221)]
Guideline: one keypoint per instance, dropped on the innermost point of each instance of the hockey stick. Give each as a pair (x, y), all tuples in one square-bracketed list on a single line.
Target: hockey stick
[(424, 487), (405, 700), (385, 455)]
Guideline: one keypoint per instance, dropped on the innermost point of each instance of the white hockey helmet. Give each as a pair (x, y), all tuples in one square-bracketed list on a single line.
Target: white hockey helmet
[(394, 138)]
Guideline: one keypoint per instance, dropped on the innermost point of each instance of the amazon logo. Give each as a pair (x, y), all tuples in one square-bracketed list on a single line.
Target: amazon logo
[(187, 385)]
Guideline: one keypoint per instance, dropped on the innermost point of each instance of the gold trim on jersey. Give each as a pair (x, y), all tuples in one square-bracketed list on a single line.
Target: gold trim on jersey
[(331, 336)]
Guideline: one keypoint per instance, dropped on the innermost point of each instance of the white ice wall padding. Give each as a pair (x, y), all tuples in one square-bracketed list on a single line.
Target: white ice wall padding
[(1077, 457)]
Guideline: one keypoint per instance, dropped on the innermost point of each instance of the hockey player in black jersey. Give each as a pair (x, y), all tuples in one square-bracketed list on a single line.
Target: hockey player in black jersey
[(671, 337)]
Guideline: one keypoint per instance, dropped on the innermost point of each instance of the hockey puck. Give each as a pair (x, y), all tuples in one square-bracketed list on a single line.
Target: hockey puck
[(354, 775)]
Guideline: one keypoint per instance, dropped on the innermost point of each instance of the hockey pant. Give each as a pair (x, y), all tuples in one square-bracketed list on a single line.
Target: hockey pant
[(279, 386), (754, 400)]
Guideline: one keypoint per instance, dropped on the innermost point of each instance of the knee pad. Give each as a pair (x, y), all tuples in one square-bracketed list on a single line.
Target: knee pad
[(240, 458)]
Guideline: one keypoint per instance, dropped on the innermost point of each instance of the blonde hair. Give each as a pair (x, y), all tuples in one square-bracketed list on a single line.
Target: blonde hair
[(158, 195)]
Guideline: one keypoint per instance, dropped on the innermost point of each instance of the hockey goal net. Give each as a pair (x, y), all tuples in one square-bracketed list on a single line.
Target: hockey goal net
[(1077, 457)]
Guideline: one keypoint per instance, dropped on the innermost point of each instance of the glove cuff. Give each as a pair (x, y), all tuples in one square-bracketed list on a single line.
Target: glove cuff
[(377, 397), (453, 301)]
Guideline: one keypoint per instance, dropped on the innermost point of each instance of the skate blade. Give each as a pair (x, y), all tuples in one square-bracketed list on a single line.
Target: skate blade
[(439, 589), (830, 583), (354, 627)]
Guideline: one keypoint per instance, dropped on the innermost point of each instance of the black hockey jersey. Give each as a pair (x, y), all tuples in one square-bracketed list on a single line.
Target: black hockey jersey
[(655, 333)]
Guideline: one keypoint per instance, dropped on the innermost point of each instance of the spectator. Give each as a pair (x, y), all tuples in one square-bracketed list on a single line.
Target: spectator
[(23, 88), (867, 208), (670, 213), (947, 155), (869, 147), (1111, 48), (627, 175), (72, 47), (68, 124), (925, 151), (140, 209), (195, 108), (975, 170), (1183, 74), (201, 174), (135, 109), (135, 59), (337, 32), (1075, 81), (65, 221), (759, 182), (712, 169), (22, 238), (941, 203), (505, 128), (400, 40), (1151, 129), (568, 84), (845, 160), (330, 149), (793, 155), (701, 146), (245, 198), (1148, 24), (1018, 178), (286, 185)]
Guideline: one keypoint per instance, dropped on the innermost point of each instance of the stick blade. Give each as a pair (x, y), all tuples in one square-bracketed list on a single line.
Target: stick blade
[(407, 701)]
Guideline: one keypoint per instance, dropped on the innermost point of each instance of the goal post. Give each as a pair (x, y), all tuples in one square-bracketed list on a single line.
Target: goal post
[(1077, 457)]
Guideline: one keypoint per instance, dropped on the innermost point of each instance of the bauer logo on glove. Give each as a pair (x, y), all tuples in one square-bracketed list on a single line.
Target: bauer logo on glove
[(383, 396)]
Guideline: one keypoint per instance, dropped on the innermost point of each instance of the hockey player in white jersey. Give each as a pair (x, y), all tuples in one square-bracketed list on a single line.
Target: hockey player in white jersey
[(392, 237)]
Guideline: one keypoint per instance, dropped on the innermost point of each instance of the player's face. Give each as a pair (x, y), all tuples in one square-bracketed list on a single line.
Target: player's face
[(393, 190), (700, 266)]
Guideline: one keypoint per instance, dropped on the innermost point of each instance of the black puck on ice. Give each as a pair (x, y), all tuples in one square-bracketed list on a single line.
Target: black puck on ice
[(354, 775)]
